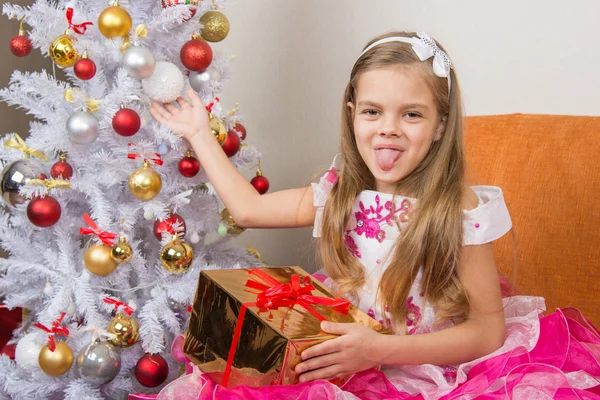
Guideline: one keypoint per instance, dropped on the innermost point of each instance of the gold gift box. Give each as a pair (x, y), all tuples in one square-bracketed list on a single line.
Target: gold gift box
[(270, 342)]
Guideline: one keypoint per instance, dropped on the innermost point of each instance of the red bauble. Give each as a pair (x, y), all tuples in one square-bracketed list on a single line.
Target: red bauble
[(242, 131), (189, 166), (167, 226), (43, 211), (126, 122), (151, 370), (231, 145), (61, 170), (196, 55), (20, 45), (84, 69), (260, 183)]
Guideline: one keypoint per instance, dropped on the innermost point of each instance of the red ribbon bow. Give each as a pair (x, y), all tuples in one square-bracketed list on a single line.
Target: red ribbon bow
[(210, 106), (54, 330), (275, 294), (77, 28), (156, 160), (108, 238), (126, 307)]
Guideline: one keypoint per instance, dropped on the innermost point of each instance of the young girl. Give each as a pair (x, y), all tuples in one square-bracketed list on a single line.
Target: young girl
[(408, 242)]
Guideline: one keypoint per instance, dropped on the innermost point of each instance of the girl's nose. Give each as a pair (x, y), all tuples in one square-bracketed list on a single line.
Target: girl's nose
[(389, 127)]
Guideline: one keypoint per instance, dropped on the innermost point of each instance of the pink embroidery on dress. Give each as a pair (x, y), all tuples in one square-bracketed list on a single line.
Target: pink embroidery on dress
[(351, 244), (368, 220), (331, 176), (413, 316)]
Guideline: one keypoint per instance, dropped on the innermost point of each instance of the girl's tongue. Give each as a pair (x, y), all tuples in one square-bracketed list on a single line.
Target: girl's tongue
[(386, 158)]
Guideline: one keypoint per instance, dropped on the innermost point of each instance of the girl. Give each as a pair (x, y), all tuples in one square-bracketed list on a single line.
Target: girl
[(404, 238)]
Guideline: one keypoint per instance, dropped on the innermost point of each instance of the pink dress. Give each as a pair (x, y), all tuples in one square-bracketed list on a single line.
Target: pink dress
[(543, 357)]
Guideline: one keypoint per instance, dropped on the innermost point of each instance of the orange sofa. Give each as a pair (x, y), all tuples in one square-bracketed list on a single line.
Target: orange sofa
[(549, 169)]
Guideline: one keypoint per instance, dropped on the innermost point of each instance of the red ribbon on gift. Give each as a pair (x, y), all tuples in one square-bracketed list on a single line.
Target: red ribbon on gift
[(125, 307), (54, 330), (156, 159), (275, 294), (77, 28), (108, 238)]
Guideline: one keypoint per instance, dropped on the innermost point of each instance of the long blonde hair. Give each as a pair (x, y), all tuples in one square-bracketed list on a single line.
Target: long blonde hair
[(433, 236)]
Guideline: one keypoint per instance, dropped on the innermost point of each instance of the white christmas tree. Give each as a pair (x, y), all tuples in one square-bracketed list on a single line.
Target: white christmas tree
[(94, 195)]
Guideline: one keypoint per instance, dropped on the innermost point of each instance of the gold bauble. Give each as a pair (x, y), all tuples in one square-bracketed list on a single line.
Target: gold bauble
[(216, 26), (56, 362), (177, 256), (218, 129), (114, 22), (62, 51), (98, 260), (145, 182), (126, 328), (232, 227), (121, 252)]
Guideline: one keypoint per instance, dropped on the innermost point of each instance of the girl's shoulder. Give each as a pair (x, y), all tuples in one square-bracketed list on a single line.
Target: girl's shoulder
[(489, 219)]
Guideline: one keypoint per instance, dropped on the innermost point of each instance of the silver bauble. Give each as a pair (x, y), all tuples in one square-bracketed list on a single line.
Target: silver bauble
[(18, 174), (82, 127), (98, 363), (27, 351), (202, 80), (139, 62)]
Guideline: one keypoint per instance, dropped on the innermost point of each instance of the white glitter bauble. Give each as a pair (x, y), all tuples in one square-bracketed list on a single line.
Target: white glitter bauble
[(165, 84), (28, 349)]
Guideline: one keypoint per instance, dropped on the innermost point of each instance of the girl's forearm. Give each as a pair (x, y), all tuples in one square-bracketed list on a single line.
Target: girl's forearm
[(458, 344)]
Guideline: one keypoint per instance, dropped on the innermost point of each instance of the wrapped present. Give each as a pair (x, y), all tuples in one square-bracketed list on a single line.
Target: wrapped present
[(250, 326)]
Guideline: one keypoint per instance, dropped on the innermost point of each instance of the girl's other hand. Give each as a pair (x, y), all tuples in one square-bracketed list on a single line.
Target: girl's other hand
[(187, 120), (355, 350)]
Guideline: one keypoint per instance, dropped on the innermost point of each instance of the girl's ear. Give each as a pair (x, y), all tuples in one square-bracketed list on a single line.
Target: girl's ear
[(352, 109), (441, 127)]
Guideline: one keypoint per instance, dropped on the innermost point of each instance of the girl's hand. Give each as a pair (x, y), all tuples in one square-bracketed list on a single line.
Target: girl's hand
[(357, 349), (187, 120)]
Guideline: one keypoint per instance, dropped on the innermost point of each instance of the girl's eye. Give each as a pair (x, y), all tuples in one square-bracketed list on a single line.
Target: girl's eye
[(371, 113), (413, 115)]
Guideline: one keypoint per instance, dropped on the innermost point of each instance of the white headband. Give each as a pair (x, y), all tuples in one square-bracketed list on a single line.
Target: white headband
[(424, 47)]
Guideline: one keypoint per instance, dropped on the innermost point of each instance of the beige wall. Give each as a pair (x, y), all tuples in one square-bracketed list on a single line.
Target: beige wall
[(293, 58)]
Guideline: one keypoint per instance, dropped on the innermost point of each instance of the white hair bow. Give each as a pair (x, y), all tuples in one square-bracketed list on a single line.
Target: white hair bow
[(424, 47)]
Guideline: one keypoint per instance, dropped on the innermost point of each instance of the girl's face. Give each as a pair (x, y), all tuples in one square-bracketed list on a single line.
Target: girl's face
[(395, 122)]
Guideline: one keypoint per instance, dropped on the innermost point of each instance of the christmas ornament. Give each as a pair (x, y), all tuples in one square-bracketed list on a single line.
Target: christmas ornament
[(218, 129), (84, 69), (151, 370), (82, 128), (126, 122), (162, 149), (189, 165), (231, 145), (205, 79), (27, 351), (98, 261), (98, 363), (241, 130), (232, 227), (15, 175), (20, 45), (121, 252), (172, 225), (260, 183), (194, 238), (43, 211), (139, 62), (216, 26), (165, 84), (145, 183), (56, 362), (62, 50), (55, 358), (196, 54), (114, 22), (62, 169), (126, 329), (177, 256), (191, 3), (222, 230)]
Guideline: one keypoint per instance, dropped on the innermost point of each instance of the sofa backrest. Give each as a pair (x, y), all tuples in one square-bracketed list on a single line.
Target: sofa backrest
[(549, 169)]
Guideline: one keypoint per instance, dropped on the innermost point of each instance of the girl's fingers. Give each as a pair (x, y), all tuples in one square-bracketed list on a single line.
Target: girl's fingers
[(183, 103), (171, 108), (160, 110), (330, 372), (194, 98), (317, 363), (157, 116)]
